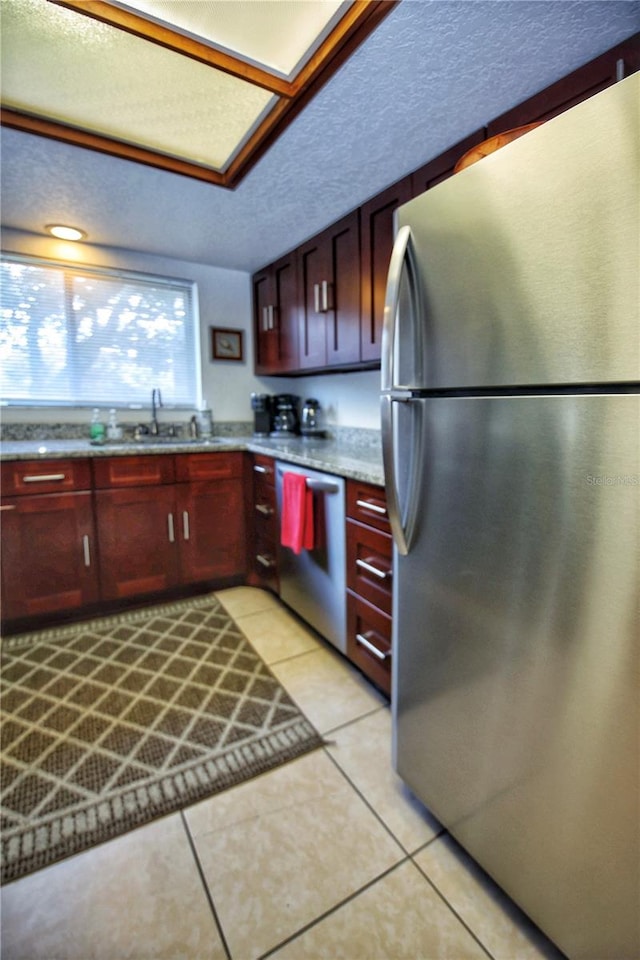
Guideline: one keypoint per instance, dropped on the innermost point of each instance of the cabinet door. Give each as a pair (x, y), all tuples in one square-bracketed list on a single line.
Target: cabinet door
[(376, 241), (211, 530), (313, 272), (276, 310), (329, 286), (48, 554), (137, 534), (285, 281), (343, 313), (263, 308), (442, 166)]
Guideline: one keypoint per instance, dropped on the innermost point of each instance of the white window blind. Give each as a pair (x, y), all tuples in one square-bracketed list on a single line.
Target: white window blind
[(70, 335)]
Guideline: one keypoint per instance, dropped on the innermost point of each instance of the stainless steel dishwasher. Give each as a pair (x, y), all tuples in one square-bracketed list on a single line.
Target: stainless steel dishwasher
[(313, 582)]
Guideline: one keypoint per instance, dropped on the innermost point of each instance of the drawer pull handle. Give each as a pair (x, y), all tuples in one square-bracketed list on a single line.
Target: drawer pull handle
[(265, 561), (185, 524), (382, 574), (170, 530), (86, 550), (380, 654), (8, 506), (371, 506), (264, 509), (259, 469), (44, 478)]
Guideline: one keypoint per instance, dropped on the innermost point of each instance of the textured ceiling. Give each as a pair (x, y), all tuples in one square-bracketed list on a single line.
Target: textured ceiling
[(431, 73)]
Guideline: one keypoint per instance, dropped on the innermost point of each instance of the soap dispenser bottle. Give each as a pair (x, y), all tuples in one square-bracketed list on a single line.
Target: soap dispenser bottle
[(96, 430), (114, 432)]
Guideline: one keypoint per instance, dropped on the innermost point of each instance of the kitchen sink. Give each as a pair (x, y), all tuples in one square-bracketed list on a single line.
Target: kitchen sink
[(176, 441)]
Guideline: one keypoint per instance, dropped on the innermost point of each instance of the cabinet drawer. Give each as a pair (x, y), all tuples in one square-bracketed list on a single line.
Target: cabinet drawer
[(265, 553), (369, 641), (264, 491), (208, 466), (367, 503), (264, 467), (369, 564), (45, 476), (133, 471)]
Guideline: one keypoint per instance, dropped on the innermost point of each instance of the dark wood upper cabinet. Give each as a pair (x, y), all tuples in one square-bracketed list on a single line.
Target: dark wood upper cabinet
[(276, 308), (376, 244), (442, 167), (617, 63), (329, 287)]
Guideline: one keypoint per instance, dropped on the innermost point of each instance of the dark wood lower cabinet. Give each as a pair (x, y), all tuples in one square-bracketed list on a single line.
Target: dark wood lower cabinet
[(153, 526), (262, 508), (210, 530), (137, 537), (369, 578), (369, 640), (159, 536), (48, 554)]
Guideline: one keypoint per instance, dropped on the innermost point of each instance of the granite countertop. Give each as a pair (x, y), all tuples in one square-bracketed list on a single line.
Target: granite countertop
[(343, 459)]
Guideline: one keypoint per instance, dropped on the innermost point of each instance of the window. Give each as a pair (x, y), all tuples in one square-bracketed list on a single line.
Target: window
[(70, 335)]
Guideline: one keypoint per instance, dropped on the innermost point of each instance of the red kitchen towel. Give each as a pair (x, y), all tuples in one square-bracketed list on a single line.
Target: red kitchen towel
[(296, 528)]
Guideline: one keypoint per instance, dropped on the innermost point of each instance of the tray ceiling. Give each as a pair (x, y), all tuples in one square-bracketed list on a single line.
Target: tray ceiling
[(198, 87)]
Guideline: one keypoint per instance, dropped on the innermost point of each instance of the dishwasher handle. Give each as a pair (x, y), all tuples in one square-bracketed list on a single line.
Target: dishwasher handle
[(322, 486)]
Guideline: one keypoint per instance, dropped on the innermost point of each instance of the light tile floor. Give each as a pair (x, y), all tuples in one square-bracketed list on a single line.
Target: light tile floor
[(329, 856)]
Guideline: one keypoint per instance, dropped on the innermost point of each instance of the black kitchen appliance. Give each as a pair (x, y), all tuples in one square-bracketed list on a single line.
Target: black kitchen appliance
[(262, 405), (312, 419), (286, 420)]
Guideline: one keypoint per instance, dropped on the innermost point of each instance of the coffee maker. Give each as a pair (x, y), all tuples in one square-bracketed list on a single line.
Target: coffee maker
[(286, 421), (262, 406)]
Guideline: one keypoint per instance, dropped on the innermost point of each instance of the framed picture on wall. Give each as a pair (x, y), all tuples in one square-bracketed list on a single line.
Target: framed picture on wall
[(226, 344)]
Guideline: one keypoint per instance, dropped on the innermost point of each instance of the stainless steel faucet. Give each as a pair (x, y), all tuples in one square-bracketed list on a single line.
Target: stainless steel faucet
[(156, 401)]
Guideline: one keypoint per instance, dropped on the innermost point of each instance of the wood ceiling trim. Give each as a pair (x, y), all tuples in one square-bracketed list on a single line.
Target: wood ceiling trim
[(28, 123), (178, 42), (360, 20), (363, 17)]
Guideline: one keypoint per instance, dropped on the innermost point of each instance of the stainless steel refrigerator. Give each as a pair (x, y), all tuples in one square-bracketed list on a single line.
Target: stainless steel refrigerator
[(511, 423)]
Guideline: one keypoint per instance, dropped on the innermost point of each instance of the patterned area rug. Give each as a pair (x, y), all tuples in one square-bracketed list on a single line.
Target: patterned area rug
[(109, 724)]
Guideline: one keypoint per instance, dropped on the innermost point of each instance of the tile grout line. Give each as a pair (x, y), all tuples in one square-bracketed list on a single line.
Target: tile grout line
[(410, 856), (205, 886), (334, 909), (349, 723), (449, 905), (374, 811)]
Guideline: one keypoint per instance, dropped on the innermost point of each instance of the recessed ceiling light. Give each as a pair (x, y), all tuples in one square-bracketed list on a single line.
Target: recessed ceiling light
[(65, 233)]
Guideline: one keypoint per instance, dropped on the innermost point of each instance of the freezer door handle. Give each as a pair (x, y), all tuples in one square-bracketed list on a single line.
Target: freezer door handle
[(402, 329)]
